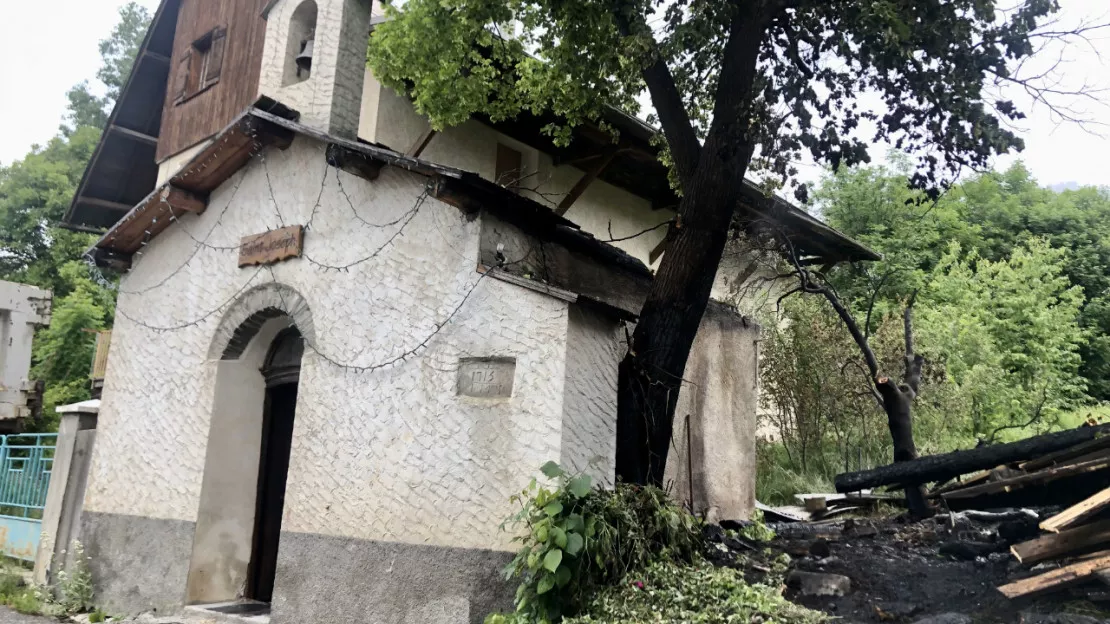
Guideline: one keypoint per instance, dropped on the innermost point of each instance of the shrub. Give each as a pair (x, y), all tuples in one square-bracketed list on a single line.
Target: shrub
[(579, 539)]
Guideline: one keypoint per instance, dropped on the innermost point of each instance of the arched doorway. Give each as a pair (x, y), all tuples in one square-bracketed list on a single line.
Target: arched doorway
[(255, 362), (281, 372)]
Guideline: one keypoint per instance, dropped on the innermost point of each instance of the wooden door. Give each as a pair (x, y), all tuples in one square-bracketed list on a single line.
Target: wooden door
[(273, 469)]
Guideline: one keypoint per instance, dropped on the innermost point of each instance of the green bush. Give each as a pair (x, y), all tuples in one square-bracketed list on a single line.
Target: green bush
[(674, 593), (579, 539)]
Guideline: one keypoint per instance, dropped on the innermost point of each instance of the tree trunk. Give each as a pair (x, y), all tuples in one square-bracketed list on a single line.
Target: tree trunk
[(650, 376), (898, 402)]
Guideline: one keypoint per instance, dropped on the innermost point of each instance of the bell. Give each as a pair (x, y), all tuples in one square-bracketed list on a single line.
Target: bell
[(304, 59)]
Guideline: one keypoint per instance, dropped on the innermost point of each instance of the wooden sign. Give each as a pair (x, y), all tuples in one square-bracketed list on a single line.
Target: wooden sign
[(273, 246)]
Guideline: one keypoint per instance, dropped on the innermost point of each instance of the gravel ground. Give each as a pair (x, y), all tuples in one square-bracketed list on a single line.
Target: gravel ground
[(7, 616)]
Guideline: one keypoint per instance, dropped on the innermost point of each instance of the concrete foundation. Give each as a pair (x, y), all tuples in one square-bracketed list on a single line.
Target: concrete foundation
[(334, 580), (139, 564)]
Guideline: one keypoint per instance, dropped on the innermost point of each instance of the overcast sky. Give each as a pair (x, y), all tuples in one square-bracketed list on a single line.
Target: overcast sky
[(51, 45)]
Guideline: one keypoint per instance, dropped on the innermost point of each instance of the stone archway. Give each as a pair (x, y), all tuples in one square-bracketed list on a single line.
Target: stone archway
[(224, 545)]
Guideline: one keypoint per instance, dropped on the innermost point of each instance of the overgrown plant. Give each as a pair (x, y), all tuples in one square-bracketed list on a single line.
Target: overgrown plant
[(75, 588), (578, 539)]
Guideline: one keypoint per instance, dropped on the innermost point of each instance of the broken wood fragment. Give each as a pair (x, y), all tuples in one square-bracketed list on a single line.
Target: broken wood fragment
[(949, 465), (1078, 512), (1026, 480), (1059, 578), (1062, 543)]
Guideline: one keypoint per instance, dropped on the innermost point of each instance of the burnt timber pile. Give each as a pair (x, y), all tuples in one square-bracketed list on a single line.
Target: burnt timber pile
[(1050, 493)]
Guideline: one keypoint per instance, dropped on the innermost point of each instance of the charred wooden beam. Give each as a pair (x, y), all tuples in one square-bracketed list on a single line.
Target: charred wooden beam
[(353, 162), (949, 465), (586, 180), (1006, 486), (1066, 455)]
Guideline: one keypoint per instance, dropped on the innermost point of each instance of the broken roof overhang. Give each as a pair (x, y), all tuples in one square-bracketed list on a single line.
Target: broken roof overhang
[(637, 169), (271, 124), (122, 169)]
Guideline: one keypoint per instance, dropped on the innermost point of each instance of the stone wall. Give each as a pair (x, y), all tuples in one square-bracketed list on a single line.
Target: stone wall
[(382, 458)]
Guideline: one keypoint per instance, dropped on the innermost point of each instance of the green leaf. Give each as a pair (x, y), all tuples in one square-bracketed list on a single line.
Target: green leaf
[(552, 559), (575, 522), (562, 576), (553, 509), (574, 543), (546, 582), (580, 486), (559, 536), (552, 470)]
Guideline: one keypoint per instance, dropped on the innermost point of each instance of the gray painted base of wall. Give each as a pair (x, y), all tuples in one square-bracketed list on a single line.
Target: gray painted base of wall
[(141, 564), (138, 564), (324, 580)]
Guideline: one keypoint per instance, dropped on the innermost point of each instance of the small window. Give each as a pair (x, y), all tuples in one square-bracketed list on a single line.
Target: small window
[(510, 167), (201, 65)]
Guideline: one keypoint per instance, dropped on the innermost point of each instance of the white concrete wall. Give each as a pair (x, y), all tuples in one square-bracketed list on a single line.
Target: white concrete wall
[(22, 309), (389, 454)]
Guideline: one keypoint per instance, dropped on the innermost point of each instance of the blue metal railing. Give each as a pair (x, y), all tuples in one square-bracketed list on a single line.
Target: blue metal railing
[(25, 464)]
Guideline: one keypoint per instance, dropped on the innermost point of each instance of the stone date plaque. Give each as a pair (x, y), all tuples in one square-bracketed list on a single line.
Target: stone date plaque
[(487, 378)]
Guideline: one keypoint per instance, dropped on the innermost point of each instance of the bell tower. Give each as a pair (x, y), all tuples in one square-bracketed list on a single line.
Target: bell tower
[(314, 60)]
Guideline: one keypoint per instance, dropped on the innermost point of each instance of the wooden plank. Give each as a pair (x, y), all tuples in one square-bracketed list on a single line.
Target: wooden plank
[(586, 179), (1062, 543), (1078, 512), (1051, 459), (1026, 480), (948, 465), (1059, 578), (273, 246)]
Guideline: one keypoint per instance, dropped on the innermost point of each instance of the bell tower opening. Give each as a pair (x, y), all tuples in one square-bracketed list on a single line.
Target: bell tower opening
[(300, 44)]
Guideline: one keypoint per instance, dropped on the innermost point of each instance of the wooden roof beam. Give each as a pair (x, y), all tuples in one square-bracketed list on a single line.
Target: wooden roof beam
[(353, 162), (133, 135), (181, 200), (586, 180)]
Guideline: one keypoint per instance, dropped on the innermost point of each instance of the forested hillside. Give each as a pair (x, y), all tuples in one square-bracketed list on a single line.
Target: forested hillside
[(34, 194), (1010, 287)]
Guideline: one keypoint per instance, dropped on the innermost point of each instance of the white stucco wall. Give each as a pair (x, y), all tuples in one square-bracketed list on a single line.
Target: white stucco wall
[(390, 454), (472, 146)]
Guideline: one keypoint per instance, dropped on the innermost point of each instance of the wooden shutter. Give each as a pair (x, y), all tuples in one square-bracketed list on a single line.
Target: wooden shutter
[(215, 57), (181, 78)]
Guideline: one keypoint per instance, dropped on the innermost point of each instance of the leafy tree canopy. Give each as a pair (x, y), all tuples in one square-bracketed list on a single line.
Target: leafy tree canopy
[(34, 195)]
